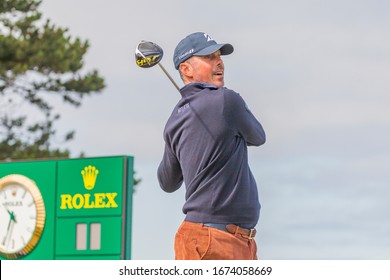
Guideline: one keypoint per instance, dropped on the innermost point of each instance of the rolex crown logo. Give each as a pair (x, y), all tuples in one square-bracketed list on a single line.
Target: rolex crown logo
[(89, 176)]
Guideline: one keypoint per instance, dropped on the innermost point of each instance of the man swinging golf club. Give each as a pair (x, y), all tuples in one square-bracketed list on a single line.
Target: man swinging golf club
[(206, 139)]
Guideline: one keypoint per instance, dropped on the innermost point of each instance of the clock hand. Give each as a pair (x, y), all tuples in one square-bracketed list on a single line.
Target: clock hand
[(10, 233), (12, 221), (6, 236), (9, 223), (12, 216)]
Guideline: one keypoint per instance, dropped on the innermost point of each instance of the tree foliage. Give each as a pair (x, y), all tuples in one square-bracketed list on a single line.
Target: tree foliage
[(39, 62)]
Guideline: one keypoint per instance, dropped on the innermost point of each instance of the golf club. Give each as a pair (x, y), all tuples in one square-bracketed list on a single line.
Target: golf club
[(148, 54)]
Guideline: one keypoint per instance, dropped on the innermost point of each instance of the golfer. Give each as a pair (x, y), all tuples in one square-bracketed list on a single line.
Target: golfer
[(206, 139)]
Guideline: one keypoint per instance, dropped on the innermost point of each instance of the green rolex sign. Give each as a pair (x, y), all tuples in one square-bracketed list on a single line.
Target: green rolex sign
[(66, 209)]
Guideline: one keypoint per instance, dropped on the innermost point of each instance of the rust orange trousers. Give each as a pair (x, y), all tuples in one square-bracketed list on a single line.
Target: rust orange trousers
[(195, 241)]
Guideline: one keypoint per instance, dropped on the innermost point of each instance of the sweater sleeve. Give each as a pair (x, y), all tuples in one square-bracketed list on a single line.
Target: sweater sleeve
[(241, 119), (169, 172)]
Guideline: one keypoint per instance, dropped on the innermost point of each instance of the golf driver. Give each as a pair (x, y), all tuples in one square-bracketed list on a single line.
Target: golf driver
[(148, 54)]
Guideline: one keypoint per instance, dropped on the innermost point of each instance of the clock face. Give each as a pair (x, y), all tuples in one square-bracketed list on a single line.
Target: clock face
[(22, 216)]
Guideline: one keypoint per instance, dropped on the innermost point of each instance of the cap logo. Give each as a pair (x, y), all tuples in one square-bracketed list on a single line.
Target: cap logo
[(207, 37), (186, 53)]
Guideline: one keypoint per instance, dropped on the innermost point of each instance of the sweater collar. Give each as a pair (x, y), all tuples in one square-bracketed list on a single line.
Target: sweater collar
[(193, 88)]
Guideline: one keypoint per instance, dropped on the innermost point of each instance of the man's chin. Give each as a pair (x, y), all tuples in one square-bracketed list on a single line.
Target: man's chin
[(219, 83)]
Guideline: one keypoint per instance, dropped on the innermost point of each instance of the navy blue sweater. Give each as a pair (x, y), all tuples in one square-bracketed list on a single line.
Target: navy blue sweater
[(206, 139)]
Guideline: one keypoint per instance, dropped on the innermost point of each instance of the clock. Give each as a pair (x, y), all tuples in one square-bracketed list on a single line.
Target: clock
[(22, 216)]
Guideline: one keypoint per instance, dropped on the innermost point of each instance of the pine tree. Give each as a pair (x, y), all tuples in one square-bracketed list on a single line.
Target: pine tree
[(38, 62)]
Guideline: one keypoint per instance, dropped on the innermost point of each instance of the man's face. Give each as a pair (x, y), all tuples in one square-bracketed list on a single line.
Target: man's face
[(208, 69)]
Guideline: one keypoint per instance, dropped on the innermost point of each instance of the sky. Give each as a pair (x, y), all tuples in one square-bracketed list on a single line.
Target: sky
[(315, 73)]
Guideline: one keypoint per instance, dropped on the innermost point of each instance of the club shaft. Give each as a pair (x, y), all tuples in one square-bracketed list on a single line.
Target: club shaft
[(169, 76)]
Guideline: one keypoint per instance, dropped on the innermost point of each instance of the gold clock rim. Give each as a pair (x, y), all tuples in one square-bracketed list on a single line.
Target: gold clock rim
[(30, 185)]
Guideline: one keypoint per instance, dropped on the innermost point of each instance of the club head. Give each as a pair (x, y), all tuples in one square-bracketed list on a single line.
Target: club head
[(148, 54)]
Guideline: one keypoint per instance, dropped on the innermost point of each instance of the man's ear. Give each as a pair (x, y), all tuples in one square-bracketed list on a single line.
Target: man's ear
[(186, 69)]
